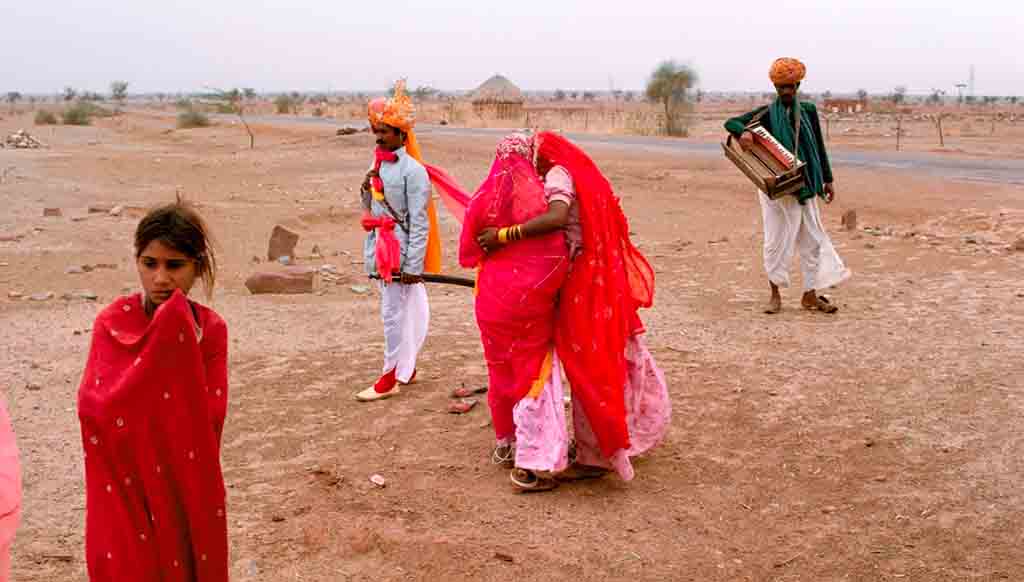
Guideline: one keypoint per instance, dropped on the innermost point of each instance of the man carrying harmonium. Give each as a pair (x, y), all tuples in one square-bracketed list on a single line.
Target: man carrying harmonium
[(793, 222)]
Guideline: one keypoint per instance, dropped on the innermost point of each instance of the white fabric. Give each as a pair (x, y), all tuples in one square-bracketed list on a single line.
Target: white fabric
[(542, 437), (406, 316), (790, 227)]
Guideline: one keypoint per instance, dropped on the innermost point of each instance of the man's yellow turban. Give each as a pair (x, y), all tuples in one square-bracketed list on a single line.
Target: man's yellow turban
[(398, 111), (787, 71)]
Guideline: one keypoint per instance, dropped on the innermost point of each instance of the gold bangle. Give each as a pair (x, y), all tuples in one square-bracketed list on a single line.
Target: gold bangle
[(519, 232), (503, 235)]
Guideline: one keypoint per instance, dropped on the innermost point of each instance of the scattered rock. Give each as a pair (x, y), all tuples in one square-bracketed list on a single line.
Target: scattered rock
[(285, 260), (282, 243), (277, 518), (116, 211), (255, 260), (724, 239), (22, 140), (100, 208), (829, 509), (1018, 245), (378, 481), (9, 237), (52, 212), (5, 264), (33, 387), (292, 280), (316, 251), (86, 295), (504, 557), (360, 289), (870, 246), (74, 270), (850, 220), (14, 295), (869, 442), (42, 296), (347, 130)]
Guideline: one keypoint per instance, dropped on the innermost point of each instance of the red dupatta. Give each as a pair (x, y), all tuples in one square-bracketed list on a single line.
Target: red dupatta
[(152, 405)]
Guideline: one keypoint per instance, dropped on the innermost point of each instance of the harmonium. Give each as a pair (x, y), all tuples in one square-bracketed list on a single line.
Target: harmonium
[(769, 165)]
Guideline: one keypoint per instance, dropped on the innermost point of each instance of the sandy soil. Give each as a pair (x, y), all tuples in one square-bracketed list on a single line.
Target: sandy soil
[(882, 443)]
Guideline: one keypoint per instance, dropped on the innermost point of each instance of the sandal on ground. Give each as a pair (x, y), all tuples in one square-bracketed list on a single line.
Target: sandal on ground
[(529, 482), (464, 392), (462, 406), (504, 455), (821, 304), (580, 472)]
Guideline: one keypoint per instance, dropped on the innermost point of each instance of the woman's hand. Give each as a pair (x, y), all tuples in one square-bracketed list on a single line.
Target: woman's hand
[(488, 239)]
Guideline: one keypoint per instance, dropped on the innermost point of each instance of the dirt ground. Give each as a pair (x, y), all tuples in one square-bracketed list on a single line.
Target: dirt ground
[(882, 443)]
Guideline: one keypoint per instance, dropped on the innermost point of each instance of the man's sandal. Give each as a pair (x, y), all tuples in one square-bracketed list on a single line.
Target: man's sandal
[(822, 304), (504, 455), (526, 481)]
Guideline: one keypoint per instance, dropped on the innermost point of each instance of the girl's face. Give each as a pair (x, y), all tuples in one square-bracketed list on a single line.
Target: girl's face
[(163, 269)]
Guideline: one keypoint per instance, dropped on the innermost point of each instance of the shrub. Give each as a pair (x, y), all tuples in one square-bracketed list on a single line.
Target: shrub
[(284, 104), (77, 114), (191, 119), (44, 117)]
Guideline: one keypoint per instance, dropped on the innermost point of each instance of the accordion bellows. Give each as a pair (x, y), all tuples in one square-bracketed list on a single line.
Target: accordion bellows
[(769, 165)]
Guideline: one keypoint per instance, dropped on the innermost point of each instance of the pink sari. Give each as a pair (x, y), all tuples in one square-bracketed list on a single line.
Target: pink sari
[(517, 286), (10, 490)]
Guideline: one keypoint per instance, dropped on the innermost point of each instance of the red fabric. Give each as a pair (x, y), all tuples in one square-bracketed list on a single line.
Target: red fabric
[(387, 249), (152, 405), (385, 383), (454, 197), (609, 281), (381, 155), (517, 286)]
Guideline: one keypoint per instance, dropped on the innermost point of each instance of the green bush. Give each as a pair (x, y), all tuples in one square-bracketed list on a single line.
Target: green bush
[(77, 114), (44, 117), (227, 108), (191, 119)]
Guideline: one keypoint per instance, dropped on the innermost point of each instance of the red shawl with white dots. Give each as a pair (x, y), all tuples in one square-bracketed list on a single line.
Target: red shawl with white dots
[(152, 405)]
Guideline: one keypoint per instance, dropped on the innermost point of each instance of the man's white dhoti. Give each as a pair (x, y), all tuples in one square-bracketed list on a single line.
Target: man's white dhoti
[(406, 316), (790, 226)]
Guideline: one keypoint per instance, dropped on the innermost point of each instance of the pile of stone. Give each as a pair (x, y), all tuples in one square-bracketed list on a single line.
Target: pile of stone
[(22, 140)]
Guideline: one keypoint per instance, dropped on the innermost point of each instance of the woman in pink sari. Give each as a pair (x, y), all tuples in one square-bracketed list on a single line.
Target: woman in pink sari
[(587, 327)]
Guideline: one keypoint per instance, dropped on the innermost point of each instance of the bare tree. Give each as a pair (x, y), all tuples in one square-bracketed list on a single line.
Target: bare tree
[(862, 95), (670, 85), (69, 94), (118, 92), (12, 97), (235, 99)]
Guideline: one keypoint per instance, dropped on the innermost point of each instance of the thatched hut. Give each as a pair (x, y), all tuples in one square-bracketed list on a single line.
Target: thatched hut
[(498, 97)]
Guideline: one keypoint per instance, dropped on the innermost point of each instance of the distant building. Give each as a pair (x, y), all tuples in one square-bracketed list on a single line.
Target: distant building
[(845, 105), (498, 97)]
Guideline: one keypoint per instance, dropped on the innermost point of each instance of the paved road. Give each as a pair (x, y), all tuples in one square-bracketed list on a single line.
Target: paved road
[(1000, 171)]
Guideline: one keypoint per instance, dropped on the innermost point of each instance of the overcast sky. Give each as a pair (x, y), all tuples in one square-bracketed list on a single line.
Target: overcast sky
[(316, 45)]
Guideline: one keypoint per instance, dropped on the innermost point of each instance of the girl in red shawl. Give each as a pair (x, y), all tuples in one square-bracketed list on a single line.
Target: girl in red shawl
[(528, 236), (152, 404)]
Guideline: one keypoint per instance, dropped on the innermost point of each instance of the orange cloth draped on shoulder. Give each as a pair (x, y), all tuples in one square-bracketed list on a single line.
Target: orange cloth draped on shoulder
[(398, 112)]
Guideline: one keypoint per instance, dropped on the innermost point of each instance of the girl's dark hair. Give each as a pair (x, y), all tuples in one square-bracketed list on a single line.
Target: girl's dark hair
[(180, 227)]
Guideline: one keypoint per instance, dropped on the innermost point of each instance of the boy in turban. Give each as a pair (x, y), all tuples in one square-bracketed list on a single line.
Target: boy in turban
[(793, 223)]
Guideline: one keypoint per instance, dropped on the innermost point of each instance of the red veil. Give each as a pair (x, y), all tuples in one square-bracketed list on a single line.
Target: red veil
[(152, 405), (609, 281)]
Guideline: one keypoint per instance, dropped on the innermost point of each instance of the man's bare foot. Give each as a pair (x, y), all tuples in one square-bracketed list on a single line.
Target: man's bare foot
[(774, 305)]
